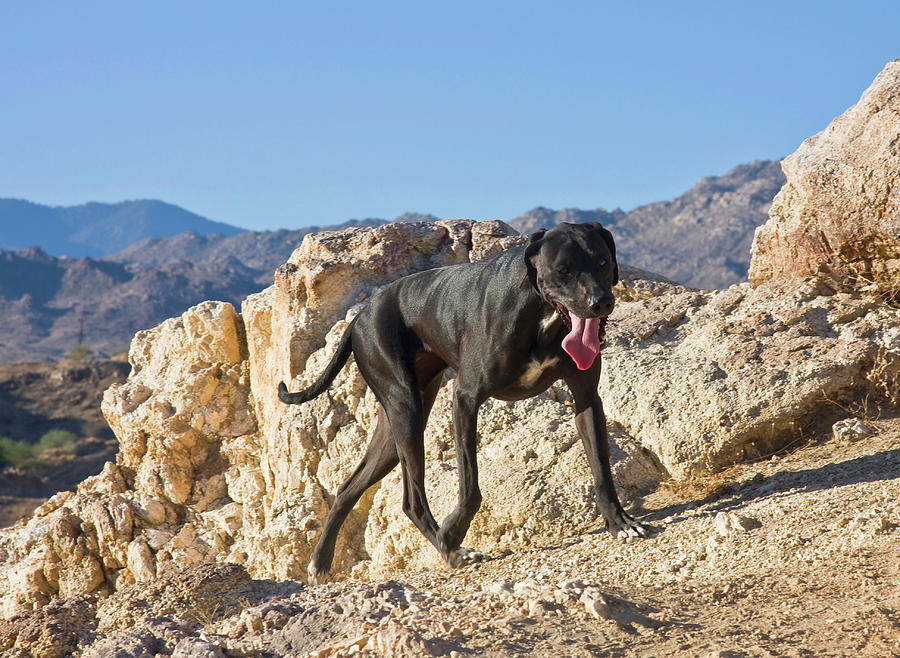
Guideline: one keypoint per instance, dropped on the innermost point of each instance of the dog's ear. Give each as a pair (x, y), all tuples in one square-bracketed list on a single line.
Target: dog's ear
[(534, 243), (611, 244)]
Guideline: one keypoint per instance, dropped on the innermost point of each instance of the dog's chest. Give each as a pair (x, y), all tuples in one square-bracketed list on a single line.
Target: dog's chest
[(549, 323), (534, 370), (537, 365)]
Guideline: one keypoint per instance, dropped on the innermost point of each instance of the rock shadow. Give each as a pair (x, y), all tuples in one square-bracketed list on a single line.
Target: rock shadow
[(869, 468)]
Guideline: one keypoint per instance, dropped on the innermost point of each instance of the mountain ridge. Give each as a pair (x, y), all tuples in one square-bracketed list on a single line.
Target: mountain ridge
[(701, 238), (96, 229), (663, 237)]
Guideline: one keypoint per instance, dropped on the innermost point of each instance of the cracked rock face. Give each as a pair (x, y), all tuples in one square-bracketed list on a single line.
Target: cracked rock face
[(838, 215)]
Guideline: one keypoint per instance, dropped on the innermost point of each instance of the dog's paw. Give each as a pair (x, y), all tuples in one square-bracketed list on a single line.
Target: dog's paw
[(316, 575), (625, 528), (463, 556)]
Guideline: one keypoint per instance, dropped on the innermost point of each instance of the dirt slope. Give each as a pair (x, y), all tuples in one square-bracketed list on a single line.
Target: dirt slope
[(816, 571)]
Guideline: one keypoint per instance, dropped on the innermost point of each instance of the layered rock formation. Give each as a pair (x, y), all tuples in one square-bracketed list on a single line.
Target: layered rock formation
[(838, 215)]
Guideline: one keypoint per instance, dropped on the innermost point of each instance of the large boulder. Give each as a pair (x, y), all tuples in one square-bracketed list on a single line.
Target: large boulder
[(704, 380), (838, 215)]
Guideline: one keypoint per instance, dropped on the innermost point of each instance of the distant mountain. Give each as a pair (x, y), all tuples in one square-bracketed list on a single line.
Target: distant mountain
[(261, 251), (96, 229), (49, 304), (701, 238)]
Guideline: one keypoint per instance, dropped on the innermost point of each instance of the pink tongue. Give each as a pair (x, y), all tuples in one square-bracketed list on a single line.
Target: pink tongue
[(583, 342)]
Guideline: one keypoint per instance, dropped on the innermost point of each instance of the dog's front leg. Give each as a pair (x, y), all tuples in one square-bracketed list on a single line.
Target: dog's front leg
[(455, 526), (591, 424)]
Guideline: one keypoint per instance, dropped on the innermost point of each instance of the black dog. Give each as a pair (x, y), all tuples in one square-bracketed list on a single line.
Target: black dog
[(510, 326)]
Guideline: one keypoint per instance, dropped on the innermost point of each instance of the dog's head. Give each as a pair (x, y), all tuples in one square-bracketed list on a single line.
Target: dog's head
[(573, 267)]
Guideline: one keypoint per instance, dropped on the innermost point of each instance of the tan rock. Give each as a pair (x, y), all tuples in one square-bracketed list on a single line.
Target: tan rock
[(706, 379), (73, 564), (186, 548), (595, 604), (141, 562), (148, 511), (851, 429), (838, 215), (113, 521)]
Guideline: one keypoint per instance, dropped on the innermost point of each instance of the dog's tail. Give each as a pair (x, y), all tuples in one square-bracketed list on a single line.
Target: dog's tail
[(344, 348)]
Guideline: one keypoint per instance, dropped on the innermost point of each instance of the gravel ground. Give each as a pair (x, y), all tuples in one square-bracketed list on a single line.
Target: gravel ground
[(795, 555)]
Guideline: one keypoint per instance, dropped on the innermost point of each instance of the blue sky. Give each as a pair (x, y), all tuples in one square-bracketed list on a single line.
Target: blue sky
[(286, 114)]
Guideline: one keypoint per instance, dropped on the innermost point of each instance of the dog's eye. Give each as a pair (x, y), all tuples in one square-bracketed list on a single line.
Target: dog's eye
[(563, 271), (602, 262)]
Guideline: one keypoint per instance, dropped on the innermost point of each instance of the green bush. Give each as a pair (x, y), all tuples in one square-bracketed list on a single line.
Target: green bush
[(21, 454), (63, 440), (15, 453), (80, 352)]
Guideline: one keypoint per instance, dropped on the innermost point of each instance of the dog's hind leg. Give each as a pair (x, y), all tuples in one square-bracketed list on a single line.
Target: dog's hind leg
[(408, 415), (408, 427), (379, 460), (407, 407)]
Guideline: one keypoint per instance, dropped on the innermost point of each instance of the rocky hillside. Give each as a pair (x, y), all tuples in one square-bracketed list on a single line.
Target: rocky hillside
[(96, 229), (37, 398), (777, 513), (700, 239), (51, 304)]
